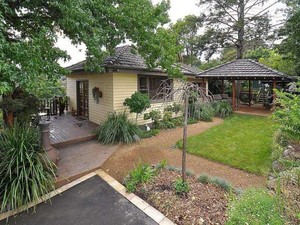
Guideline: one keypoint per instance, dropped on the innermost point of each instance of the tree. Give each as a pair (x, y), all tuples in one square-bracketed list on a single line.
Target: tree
[(237, 22), (185, 93), (196, 45), (30, 29), (291, 33), (137, 103), (273, 59)]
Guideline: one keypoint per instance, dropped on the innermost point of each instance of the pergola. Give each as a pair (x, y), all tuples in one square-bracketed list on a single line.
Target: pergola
[(244, 69)]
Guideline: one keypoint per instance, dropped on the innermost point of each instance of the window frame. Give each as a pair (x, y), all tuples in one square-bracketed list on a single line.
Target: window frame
[(148, 91)]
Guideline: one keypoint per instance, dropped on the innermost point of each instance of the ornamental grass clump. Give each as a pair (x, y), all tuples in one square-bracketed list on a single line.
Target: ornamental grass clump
[(118, 129), (26, 174)]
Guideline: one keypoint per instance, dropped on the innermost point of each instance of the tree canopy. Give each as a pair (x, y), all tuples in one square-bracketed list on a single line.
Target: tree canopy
[(30, 29), (237, 22)]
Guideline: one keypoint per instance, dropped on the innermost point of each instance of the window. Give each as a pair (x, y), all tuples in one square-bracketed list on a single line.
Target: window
[(156, 87)]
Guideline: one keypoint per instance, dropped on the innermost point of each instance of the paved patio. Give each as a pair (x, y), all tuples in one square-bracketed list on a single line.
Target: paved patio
[(67, 129), (80, 159)]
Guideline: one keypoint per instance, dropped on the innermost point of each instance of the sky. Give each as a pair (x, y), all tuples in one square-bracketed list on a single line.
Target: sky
[(179, 9)]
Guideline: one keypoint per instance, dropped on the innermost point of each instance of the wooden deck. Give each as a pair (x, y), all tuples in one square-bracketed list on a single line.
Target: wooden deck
[(66, 130), (256, 109)]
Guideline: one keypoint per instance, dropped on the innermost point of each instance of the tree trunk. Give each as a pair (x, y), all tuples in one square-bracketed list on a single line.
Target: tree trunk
[(184, 139), (241, 30)]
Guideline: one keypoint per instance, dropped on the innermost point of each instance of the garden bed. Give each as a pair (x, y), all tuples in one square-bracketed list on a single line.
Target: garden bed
[(203, 204)]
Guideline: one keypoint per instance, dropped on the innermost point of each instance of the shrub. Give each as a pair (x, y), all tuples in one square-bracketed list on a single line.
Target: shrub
[(137, 103), (155, 116), (149, 134), (221, 183), (190, 173), (192, 120), (255, 207), (174, 108), (287, 115), (222, 108), (181, 187), (141, 174), (162, 164), (204, 179), (26, 174), (166, 122), (205, 112), (117, 128), (178, 122)]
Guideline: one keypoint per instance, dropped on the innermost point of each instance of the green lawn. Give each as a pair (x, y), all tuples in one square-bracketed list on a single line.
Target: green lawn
[(242, 141)]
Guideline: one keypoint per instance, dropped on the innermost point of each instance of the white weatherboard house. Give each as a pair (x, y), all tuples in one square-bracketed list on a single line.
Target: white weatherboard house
[(95, 95)]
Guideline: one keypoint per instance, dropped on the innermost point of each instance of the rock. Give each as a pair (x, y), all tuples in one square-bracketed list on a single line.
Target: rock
[(291, 148), (271, 184), (277, 166), (296, 155), (136, 138), (201, 221), (286, 152)]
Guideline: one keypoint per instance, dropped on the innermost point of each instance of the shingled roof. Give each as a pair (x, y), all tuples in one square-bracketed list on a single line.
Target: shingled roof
[(126, 57), (242, 69)]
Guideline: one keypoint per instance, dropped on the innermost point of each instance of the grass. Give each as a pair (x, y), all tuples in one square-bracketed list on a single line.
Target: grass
[(242, 141)]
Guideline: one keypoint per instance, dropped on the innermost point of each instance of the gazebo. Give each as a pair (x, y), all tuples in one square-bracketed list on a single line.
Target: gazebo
[(244, 69)]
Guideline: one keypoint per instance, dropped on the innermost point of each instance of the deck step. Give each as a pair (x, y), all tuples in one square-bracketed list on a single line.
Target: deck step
[(74, 141)]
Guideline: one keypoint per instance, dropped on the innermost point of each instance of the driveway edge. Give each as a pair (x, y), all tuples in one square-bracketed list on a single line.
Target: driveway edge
[(150, 211)]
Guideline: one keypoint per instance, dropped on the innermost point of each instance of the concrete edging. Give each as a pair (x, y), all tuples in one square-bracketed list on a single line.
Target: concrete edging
[(150, 211)]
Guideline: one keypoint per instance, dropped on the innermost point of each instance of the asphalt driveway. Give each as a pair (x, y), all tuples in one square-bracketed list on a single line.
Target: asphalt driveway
[(92, 202)]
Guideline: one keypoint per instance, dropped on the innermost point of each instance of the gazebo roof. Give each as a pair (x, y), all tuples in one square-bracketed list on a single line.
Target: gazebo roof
[(243, 69)]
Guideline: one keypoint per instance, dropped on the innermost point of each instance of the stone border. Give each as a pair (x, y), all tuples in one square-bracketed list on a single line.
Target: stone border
[(48, 196), (154, 214)]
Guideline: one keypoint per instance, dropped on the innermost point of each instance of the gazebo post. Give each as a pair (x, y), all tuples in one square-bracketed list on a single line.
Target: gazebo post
[(274, 87), (249, 97), (233, 96), (222, 87)]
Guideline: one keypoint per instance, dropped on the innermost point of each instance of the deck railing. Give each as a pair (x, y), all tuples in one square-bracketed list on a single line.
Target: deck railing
[(53, 106)]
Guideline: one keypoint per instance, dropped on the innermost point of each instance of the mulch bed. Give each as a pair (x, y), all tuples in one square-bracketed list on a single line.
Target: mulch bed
[(204, 204)]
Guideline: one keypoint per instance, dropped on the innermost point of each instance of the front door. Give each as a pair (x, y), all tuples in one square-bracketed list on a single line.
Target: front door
[(83, 98)]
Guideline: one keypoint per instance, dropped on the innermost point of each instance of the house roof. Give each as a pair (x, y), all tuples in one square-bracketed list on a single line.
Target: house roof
[(127, 58), (243, 69)]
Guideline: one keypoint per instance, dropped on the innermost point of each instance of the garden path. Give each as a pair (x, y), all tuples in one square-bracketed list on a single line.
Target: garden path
[(155, 149)]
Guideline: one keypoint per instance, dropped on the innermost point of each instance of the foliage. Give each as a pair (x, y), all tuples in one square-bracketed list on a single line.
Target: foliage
[(154, 115), (291, 33), (167, 121), (195, 45), (150, 133), (242, 141), (255, 207), (192, 120), (1, 120), (222, 108), (26, 174), (174, 108), (258, 53), (204, 179), (279, 62), (202, 111), (236, 22), (287, 114), (181, 187), (22, 104), (137, 103), (117, 128), (210, 64), (139, 175), (221, 183), (161, 165), (30, 29)]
